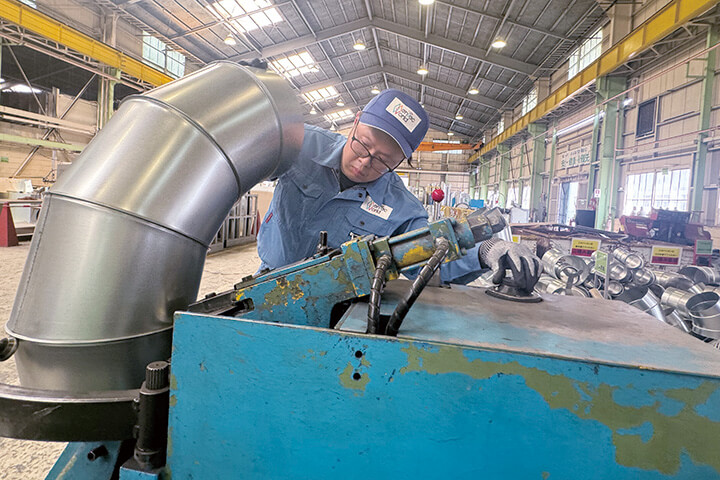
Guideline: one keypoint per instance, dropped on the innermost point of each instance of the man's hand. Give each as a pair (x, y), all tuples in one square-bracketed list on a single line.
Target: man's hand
[(500, 255)]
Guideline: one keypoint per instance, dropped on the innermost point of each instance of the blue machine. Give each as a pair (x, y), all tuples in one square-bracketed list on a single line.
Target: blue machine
[(473, 386), (278, 378)]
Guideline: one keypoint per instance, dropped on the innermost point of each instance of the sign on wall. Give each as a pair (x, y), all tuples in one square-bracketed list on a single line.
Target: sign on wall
[(575, 157)]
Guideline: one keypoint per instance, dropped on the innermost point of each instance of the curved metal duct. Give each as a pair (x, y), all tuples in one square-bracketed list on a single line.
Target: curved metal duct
[(631, 260), (672, 279), (645, 300), (565, 267), (122, 236), (700, 274), (704, 311)]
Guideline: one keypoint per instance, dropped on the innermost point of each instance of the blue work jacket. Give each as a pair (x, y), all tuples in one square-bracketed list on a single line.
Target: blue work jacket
[(308, 199)]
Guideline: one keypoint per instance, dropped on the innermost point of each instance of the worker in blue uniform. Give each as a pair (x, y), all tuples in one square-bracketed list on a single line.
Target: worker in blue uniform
[(347, 186)]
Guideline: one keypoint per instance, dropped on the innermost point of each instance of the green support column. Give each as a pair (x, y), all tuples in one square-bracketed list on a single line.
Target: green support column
[(608, 87), (593, 155), (106, 97), (504, 158), (484, 177), (553, 151), (473, 182), (706, 99), (537, 131)]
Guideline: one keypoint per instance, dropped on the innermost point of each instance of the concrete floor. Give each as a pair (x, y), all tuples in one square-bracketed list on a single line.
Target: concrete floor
[(24, 460)]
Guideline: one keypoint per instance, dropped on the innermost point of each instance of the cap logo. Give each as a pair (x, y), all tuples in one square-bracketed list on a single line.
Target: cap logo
[(403, 114)]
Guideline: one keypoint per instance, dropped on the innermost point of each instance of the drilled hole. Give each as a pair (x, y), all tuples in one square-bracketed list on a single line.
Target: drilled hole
[(358, 354), (356, 376)]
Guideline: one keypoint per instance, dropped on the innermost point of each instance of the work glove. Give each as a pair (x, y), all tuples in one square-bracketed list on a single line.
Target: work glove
[(500, 255)]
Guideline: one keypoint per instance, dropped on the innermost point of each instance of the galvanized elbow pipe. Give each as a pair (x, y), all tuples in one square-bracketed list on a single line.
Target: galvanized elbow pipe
[(122, 236)]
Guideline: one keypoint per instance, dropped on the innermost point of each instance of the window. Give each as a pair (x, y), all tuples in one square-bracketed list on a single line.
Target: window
[(668, 190), (156, 52), (246, 15), (501, 126), (530, 101), (672, 189), (340, 115), (585, 54), (526, 196), (29, 3), (646, 118), (294, 65), (321, 94)]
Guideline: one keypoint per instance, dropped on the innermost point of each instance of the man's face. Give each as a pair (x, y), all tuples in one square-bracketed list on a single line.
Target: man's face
[(370, 154)]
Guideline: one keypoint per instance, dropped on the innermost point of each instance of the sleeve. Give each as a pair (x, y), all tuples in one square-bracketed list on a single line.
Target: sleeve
[(461, 271)]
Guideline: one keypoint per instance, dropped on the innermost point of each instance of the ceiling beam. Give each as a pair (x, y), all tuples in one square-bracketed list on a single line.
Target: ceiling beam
[(303, 42), (407, 32), (457, 92), (456, 47), (410, 77), (509, 22)]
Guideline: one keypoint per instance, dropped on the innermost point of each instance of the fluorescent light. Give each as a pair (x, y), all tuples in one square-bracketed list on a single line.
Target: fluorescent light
[(498, 43), (375, 91), (359, 46), (473, 91), (426, 2), (230, 40), (450, 134), (458, 117), (422, 70)]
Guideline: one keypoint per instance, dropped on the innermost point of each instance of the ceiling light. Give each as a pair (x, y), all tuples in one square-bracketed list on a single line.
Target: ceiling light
[(332, 127), (422, 70), (498, 43), (450, 134), (473, 91), (313, 111), (230, 40), (375, 90), (340, 103), (359, 46), (458, 117), (426, 2)]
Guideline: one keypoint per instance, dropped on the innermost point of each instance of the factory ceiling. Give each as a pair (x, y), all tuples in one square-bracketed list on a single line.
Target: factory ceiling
[(355, 46), (466, 61)]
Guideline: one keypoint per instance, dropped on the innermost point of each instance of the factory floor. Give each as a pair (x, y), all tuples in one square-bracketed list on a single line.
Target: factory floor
[(24, 460)]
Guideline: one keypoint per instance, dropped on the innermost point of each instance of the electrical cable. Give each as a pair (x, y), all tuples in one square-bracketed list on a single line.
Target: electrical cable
[(441, 248), (376, 289)]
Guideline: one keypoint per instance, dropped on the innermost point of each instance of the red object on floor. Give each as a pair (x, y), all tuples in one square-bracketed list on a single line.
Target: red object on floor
[(437, 195), (8, 235)]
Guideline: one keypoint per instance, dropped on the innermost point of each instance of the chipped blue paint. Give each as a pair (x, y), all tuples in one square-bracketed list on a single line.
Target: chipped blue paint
[(644, 431), (286, 413), (709, 409)]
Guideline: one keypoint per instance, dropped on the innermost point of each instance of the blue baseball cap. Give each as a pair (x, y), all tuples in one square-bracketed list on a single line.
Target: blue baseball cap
[(400, 116)]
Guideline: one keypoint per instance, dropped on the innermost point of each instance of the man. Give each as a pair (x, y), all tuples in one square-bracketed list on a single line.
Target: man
[(347, 186)]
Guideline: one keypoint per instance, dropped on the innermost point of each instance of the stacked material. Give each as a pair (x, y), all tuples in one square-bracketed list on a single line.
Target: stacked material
[(688, 300)]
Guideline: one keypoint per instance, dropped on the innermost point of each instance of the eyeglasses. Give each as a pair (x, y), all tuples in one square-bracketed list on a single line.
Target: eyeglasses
[(376, 163)]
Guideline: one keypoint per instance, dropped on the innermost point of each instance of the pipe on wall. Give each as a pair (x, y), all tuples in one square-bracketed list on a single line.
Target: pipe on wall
[(122, 236)]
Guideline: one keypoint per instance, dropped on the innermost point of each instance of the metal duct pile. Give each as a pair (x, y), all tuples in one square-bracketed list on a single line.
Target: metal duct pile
[(688, 300)]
